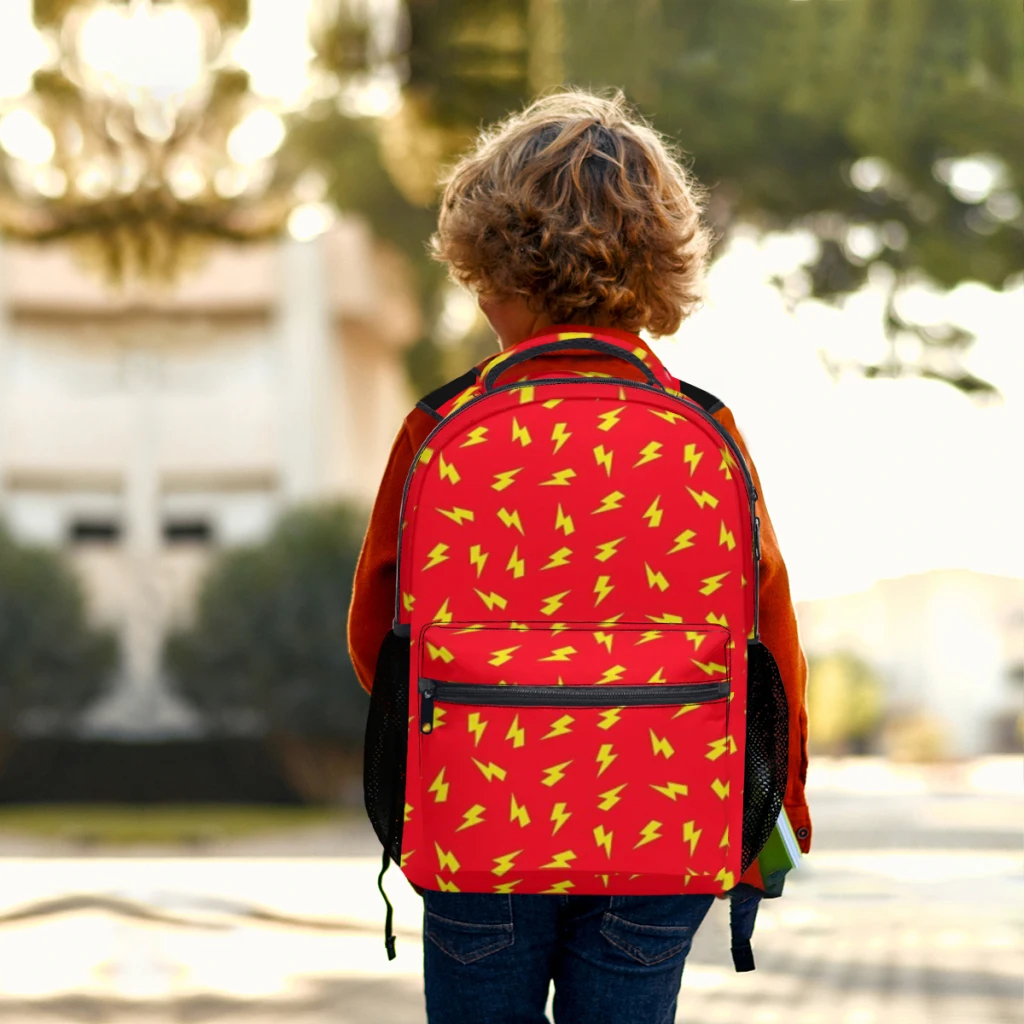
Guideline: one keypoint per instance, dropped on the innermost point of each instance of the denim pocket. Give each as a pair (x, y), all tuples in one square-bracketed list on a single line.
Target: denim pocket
[(654, 929), (468, 926)]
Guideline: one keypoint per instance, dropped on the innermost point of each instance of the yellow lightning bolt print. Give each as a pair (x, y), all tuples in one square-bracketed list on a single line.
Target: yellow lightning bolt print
[(564, 522), (726, 537), (602, 588), (408, 812), (444, 885), (457, 515), (672, 790), (439, 788), (504, 864), (490, 770), (507, 888), (558, 558), (478, 435), (668, 416), (712, 583), (726, 878), (727, 463), (439, 652), (604, 459), (472, 817), (439, 713), (683, 541), (442, 614), (516, 565), (717, 620), (555, 773), (668, 618), (448, 471), (560, 478), (605, 757), (559, 815), (478, 559), (649, 833), (691, 835), (476, 726), (436, 556), (709, 668), (517, 812), (605, 638), (647, 636), (405, 858), (558, 889), (692, 457), (426, 455), (559, 434), (695, 638), (505, 479), (516, 733), (610, 419), (551, 403), (608, 549), (649, 453), (408, 600), (611, 675), (560, 654), (446, 861), (553, 603), (526, 395), (561, 860), (610, 797), (653, 513), (610, 502), (560, 727), (503, 656), (604, 839), (656, 579), (511, 519), (658, 676), (685, 710), (491, 600), (661, 746), (520, 434), (720, 788), (609, 717), (716, 748), (704, 498)]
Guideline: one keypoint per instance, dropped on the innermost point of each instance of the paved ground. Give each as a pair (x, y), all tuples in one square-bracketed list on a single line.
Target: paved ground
[(909, 912)]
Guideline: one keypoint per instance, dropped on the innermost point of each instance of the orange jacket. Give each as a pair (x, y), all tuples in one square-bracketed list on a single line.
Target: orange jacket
[(373, 595)]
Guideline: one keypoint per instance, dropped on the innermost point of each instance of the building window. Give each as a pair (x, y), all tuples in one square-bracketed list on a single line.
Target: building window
[(94, 530), (188, 531)]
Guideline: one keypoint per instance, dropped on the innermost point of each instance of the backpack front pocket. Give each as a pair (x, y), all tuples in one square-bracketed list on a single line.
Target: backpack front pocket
[(584, 758)]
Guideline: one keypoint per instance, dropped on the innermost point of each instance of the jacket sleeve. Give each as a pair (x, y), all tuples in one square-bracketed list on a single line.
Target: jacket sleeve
[(373, 591), (779, 634)]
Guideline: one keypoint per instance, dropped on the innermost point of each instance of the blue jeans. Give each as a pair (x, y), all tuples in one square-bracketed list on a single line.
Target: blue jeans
[(488, 959)]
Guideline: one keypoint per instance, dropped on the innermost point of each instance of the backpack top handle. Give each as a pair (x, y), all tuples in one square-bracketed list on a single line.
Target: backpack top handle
[(609, 348)]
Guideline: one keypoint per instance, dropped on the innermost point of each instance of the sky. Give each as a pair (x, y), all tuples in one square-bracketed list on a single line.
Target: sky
[(863, 479)]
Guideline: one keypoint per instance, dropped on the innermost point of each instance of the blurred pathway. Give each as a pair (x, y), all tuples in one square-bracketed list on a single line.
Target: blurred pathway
[(909, 912)]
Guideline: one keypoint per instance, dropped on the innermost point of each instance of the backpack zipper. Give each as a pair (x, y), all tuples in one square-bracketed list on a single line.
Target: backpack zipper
[(562, 696)]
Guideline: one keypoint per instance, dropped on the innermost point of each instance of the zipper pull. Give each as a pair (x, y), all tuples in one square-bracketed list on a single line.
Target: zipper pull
[(757, 538), (426, 687)]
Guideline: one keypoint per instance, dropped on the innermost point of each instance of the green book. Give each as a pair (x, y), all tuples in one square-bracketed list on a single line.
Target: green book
[(782, 852)]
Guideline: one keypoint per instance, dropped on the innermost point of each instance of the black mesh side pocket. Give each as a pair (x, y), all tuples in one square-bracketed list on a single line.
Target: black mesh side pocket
[(385, 747), (767, 759)]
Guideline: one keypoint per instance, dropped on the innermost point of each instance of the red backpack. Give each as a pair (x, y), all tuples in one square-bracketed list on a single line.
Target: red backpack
[(573, 698)]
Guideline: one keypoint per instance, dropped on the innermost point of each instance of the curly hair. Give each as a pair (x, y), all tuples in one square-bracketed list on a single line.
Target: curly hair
[(580, 207)]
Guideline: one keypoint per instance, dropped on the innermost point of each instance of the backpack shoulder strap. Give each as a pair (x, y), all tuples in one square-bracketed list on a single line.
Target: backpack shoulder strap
[(707, 401), (432, 403)]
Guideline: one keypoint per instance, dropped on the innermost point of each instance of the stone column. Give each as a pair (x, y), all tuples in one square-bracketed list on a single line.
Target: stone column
[(305, 336)]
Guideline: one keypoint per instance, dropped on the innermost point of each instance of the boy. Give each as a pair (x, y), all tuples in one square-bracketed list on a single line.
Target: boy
[(570, 215)]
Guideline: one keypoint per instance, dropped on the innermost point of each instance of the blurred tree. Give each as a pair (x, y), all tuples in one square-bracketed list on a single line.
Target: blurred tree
[(844, 703), (893, 130), (52, 663), (267, 650)]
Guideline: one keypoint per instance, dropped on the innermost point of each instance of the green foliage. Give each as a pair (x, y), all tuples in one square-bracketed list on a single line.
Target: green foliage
[(269, 636), (776, 100), (52, 663), (844, 703)]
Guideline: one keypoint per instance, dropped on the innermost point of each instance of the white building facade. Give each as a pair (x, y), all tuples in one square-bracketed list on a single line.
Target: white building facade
[(141, 431)]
